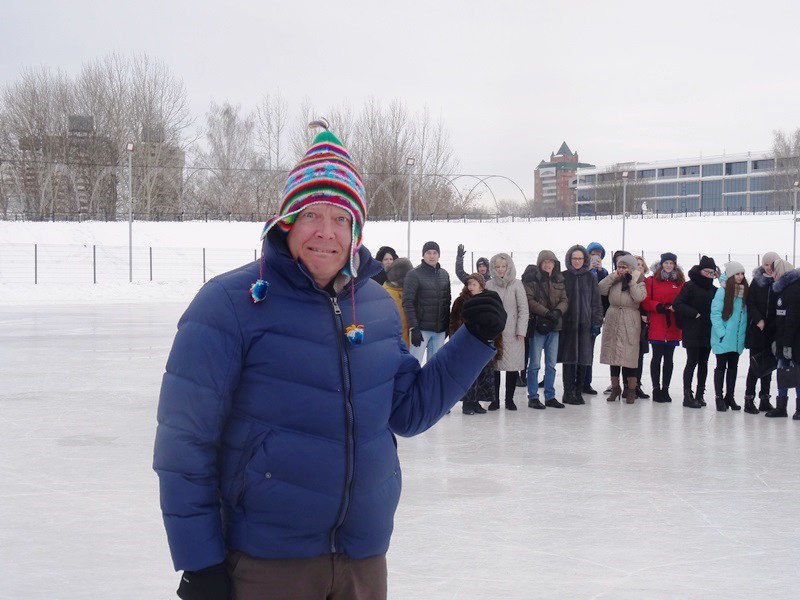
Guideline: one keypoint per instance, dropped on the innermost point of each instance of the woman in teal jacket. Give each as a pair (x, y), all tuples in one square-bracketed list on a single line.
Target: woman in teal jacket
[(728, 327)]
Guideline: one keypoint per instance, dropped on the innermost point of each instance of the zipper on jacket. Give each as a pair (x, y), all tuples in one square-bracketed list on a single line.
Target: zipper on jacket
[(349, 424)]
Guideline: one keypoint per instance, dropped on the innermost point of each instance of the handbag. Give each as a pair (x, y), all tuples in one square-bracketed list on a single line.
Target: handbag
[(543, 325), (763, 363), (788, 376)]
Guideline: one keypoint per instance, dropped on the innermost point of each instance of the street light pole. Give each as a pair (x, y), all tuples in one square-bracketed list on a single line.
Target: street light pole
[(129, 149), (410, 167), (796, 185), (624, 205)]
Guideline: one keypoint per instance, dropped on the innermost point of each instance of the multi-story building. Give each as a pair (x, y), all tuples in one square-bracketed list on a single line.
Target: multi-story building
[(554, 189), (727, 182)]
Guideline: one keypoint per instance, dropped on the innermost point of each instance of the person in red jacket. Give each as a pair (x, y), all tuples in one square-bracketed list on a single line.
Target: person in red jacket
[(662, 287)]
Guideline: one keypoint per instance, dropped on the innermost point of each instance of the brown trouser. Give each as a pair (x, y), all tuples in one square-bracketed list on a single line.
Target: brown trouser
[(326, 577)]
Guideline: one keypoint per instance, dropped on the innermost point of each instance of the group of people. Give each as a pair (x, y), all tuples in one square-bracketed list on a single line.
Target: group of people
[(634, 310)]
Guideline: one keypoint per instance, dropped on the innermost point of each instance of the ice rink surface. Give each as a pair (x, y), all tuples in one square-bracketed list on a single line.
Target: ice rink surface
[(599, 501)]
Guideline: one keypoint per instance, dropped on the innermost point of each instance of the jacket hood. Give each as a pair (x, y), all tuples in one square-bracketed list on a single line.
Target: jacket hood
[(696, 275), (596, 246), (788, 279), (511, 272), (535, 273), (616, 256), (760, 278), (548, 255), (585, 268), (529, 274)]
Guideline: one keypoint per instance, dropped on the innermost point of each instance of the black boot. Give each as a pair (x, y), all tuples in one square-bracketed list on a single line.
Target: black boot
[(522, 380), (763, 403), (750, 404), (588, 389), (665, 397), (479, 410), (688, 399), (780, 407), (494, 404), (640, 393), (468, 408), (731, 402), (658, 395), (796, 415), (579, 389), (721, 406), (700, 397), (535, 403), (553, 403)]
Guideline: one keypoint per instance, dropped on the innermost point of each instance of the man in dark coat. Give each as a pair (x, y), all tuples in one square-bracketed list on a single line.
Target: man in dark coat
[(278, 480), (692, 308), (426, 302), (580, 324), (760, 332), (596, 255), (786, 346), (481, 266)]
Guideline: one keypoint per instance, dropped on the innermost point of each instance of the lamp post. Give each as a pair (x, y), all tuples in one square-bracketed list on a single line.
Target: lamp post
[(409, 167), (795, 187), (129, 150), (624, 204)]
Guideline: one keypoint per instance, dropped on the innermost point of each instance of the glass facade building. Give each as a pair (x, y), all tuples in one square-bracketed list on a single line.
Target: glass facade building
[(714, 183)]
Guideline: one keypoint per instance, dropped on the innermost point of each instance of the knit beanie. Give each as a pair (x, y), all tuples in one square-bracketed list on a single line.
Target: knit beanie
[(629, 261), (706, 262), (383, 251), (780, 267), (669, 256), (397, 272), (594, 247), (482, 261), (769, 258), (732, 268), (430, 246), (325, 175)]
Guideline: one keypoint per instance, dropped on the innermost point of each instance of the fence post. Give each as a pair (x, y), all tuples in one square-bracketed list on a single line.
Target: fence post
[(255, 256), (94, 263), (35, 263), (151, 263), (204, 265)]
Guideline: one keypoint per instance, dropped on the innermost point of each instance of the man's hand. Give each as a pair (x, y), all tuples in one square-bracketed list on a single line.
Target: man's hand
[(484, 315), (415, 335), (460, 252), (211, 583), (554, 315)]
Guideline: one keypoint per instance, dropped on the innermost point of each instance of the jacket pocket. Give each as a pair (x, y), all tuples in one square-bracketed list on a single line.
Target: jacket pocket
[(239, 486)]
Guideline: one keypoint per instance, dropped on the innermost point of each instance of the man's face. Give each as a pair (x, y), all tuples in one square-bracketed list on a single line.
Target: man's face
[(387, 261), (431, 257), (320, 237), (482, 269)]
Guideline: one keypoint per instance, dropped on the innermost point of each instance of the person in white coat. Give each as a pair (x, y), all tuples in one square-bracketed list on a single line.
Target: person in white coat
[(511, 291)]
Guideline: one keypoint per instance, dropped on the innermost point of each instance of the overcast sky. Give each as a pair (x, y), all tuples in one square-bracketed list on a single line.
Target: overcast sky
[(617, 80)]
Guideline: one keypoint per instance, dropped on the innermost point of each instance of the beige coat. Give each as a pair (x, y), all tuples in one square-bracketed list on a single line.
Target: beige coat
[(512, 293), (623, 323)]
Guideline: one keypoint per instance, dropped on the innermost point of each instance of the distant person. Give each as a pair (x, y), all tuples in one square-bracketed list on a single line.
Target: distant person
[(547, 302), (760, 332), (481, 266), (619, 346), (505, 283), (581, 324), (664, 334), (786, 345), (386, 256), (728, 328), (426, 302), (285, 387), (395, 277), (482, 390), (692, 308)]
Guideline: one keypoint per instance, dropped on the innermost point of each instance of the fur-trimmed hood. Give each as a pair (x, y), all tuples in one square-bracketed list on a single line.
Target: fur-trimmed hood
[(511, 272), (760, 278), (568, 263), (788, 279)]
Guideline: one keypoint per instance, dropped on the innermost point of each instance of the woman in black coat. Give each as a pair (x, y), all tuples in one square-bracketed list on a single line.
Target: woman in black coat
[(760, 331), (580, 324), (692, 307), (786, 346)]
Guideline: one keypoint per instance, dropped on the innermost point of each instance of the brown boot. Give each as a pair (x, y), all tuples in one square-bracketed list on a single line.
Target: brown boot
[(616, 391), (630, 393)]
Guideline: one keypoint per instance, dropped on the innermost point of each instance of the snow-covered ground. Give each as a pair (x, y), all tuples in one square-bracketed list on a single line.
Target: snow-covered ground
[(607, 501), (66, 258)]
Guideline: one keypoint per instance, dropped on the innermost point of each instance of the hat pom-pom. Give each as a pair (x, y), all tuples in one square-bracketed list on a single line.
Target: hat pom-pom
[(355, 334), (258, 291), (320, 123)]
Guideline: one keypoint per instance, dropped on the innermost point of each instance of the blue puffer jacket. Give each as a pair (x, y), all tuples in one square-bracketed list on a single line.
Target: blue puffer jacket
[(275, 435), (727, 336)]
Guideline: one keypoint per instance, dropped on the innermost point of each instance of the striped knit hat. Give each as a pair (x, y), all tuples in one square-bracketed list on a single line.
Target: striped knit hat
[(325, 175)]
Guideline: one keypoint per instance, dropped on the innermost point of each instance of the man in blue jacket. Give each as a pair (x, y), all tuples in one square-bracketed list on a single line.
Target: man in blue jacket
[(285, 386)]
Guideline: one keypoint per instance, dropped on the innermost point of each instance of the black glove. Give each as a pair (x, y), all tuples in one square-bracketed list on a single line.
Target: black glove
[(211, 583), (416, 336), (595, 330), (460, 252), (660, 308), (554, 315), (627, 277), (484, 315)]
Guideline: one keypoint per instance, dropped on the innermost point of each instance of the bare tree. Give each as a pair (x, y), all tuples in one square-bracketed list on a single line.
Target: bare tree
[(786, 148)]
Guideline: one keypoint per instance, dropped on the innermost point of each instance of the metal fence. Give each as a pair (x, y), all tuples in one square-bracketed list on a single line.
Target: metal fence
[(99, 264)]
